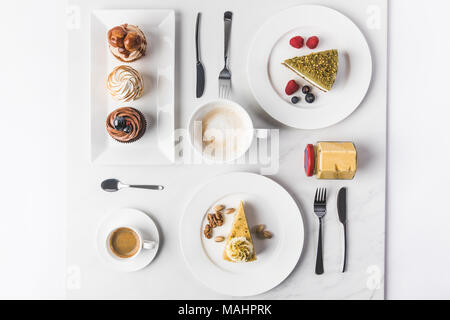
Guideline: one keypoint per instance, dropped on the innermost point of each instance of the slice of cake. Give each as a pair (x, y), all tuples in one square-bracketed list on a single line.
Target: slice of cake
[(239, 245), (319, 68)]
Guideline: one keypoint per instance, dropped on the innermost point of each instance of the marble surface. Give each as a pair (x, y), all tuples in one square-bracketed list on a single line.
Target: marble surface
[(167, 277)]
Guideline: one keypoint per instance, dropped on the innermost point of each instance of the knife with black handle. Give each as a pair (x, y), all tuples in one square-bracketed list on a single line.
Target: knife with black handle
[(342, 213), (200, 70)]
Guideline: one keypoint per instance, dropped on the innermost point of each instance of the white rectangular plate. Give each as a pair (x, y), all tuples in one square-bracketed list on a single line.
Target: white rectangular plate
[(157, 68)]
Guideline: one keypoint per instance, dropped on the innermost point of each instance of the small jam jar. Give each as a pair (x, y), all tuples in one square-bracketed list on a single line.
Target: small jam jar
[(331, 160)]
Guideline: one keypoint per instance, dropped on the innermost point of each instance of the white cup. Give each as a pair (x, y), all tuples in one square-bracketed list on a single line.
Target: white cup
[(245, 135), (143, 244)]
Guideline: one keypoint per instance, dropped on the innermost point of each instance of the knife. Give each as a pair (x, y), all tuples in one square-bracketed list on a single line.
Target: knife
[(200, 70), (342, 213)]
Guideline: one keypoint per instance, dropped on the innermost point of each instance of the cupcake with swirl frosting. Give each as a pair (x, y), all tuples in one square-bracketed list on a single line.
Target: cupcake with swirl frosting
[(125, 84), (126, 124)]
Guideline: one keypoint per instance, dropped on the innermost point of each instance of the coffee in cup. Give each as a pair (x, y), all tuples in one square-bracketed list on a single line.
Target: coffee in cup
[(127, 242), (124, 242)]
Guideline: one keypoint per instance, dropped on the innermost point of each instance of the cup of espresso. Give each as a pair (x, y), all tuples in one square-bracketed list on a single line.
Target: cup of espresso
[(127, 243)]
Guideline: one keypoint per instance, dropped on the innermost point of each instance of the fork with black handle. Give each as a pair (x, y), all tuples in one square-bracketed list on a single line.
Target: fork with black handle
[(320, 209)]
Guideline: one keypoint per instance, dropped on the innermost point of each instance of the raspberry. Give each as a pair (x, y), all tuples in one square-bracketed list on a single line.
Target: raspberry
[(291, 87), (312, 42), (297, 42)]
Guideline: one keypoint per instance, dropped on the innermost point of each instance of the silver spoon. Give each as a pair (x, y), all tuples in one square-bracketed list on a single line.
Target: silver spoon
[(112, 185)]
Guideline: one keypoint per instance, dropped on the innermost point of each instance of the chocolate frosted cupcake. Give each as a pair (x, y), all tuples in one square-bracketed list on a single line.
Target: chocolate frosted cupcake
[(126, 124)]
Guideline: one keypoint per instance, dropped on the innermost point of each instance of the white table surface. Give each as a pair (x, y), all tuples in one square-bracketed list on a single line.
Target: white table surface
[(168, 276), (417, 239)]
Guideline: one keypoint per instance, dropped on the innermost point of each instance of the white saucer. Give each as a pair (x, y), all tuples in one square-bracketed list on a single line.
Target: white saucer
[(268, 77), (265, 202), (133, 218)]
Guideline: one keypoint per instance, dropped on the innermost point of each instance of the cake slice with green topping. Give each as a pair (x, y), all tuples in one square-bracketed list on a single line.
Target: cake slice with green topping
[(318, 68), (239, 246)]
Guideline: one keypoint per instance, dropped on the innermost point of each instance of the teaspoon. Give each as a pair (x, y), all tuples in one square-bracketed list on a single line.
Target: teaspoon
[(112, 185)]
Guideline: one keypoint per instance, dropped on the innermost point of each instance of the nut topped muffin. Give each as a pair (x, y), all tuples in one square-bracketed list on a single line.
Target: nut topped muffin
[(127, 42), (125, 84), (126, 124)]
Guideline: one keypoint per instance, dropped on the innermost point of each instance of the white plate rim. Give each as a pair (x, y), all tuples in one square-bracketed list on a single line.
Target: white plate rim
[(210, 275), (269, 99)]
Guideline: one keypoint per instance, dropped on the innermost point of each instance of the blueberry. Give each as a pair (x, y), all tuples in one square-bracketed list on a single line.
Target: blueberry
[(310, 98), (306, 89), (127, 129), (295, 100), (119, 123)]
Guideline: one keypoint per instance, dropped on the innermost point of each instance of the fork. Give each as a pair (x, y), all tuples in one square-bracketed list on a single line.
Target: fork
[(225, 75), (320, 209)]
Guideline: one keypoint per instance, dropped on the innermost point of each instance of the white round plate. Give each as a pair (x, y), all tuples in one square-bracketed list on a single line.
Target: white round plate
[(133, 218), (265, 202), (268, 77)]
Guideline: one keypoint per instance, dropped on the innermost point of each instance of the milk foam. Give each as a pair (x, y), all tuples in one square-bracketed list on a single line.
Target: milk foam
[(224, 133)]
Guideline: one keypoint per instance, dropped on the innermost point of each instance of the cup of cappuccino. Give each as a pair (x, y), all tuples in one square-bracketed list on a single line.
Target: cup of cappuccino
[(221, 131), (127, 243)]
